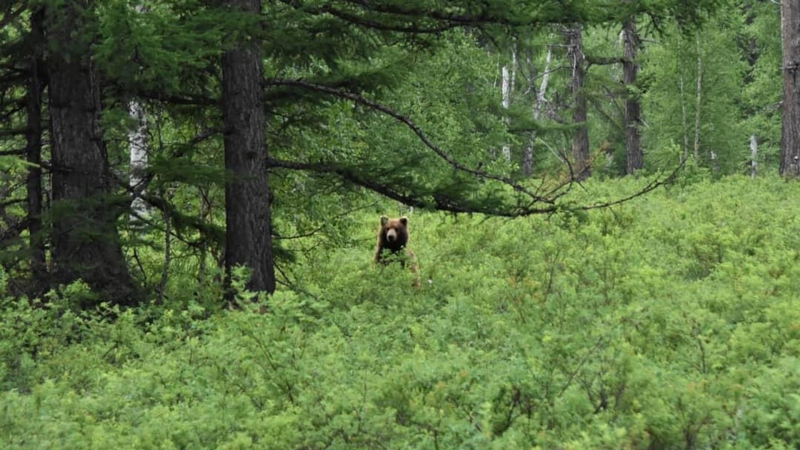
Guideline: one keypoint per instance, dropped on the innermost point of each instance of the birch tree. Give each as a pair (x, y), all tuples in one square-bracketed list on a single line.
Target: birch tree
[(138, 148), (698, 100), (580, 141), (508, 77), (137, 143), (527, 157)]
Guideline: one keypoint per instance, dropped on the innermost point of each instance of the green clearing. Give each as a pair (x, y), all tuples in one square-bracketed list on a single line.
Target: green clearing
[(670, 322)]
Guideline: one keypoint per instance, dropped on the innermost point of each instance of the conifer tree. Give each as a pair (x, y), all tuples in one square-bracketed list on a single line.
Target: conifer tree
[(84, 238), (790, 138), (250, 77), (247, 195)]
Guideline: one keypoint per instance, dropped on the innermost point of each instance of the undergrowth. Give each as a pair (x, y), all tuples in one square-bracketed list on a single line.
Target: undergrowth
[(670, 322)]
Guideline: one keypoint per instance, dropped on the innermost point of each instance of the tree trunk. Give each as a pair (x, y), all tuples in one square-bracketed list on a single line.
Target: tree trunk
[(698, 103), (85, 243), (527, 160), (684, 123), (247, 196), (630, 69), (506, 88), (580, 143), (537, 112), (753, 156), (137, 143), (790, 135), (34, 155)]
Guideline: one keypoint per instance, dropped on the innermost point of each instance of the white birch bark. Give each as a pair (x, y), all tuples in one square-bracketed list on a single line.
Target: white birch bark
[(506, 89), (137, 143), (513, 69), (698, 102), (537, 111), (684, 123), (753, 156), (527, 158)]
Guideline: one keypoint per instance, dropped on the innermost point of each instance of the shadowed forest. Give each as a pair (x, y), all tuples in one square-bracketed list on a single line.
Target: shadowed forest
[(592, 235)]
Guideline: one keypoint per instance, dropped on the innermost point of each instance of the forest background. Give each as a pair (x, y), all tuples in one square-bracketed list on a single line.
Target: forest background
[(599, 195)]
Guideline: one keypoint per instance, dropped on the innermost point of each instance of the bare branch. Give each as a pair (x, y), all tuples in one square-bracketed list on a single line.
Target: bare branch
[(317, 230), (649, 187), (12, 202), (13, 132)]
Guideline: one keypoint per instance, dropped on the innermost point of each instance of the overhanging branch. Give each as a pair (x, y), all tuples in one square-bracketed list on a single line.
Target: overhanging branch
[(436, 201), (405, 120)]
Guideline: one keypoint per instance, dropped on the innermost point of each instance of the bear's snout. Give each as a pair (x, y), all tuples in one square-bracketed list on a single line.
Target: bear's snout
[(391, 235)]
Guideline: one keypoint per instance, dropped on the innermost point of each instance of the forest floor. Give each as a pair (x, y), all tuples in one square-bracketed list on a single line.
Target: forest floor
[(672, 321)]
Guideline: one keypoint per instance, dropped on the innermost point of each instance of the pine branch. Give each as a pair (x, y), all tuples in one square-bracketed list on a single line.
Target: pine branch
[(461, 18), (140, 187), (13, 132), (196, 100), (411, 29), (11, 16), (12, 202)]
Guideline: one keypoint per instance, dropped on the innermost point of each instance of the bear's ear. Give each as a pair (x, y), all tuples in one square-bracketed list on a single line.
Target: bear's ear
[(404, 221), (384, 220)]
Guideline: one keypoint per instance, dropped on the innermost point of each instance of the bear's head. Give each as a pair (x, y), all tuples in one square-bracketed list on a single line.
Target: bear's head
[(393, 233)]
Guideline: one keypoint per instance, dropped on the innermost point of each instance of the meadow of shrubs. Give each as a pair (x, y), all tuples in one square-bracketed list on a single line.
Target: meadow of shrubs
[(669, 322)]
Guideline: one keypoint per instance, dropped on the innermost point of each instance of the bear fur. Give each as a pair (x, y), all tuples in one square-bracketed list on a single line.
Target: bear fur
[(393, 238)]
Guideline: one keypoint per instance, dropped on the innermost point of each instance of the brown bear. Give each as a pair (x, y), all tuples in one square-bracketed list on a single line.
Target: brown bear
[(393, 237)]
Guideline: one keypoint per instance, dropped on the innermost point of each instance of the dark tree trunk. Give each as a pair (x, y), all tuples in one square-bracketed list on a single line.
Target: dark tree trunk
[(580, 143), (634, 159), (85, 243), (247, 206), (790, 136), (34, 155)]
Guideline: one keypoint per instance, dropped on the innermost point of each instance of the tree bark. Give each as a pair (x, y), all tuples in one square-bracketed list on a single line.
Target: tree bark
[(698, 102), (527, 159), (580, 142), (34, 155), (684, 123), (137, 143), (633, 149), (247, 196), (753, 156), (85, 243), (790, 134), (506, 91)]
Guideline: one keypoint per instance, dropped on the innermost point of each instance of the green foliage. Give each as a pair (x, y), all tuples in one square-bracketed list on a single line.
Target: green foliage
[(670, 322), (763, 92), (671, 72)]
